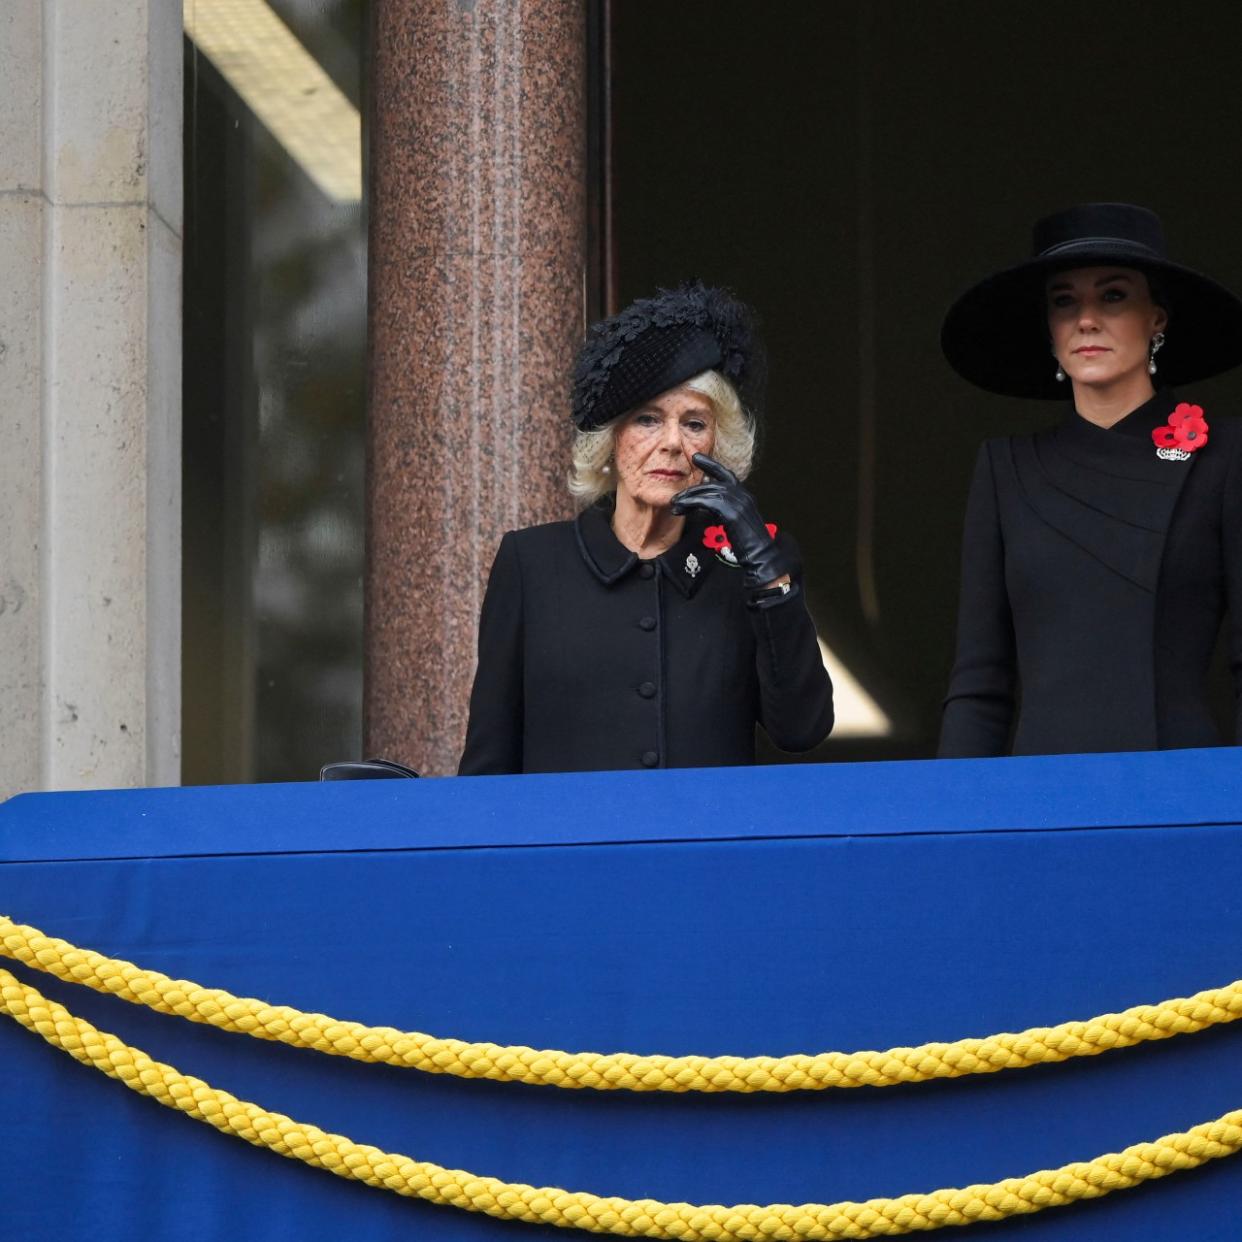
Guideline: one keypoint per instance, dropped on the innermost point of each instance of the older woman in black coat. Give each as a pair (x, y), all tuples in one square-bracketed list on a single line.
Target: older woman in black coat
[(1100, 555), (666, 621)]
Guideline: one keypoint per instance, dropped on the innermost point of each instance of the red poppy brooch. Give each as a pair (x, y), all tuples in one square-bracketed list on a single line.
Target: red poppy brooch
[(1185, 433), (714, 537)]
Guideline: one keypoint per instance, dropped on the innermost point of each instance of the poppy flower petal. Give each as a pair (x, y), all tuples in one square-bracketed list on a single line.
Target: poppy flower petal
[(1187, 429), (1191, 432)]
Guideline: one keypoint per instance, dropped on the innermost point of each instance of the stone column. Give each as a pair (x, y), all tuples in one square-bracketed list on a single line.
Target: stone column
[(477, 264), (90, 400)]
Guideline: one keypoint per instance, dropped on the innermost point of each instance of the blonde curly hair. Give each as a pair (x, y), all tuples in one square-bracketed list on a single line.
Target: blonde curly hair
[(591, 477)]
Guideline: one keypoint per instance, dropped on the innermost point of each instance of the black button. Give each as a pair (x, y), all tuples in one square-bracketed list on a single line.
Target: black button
[(646, 570), (647, 690), (647, 623), (650, 758)]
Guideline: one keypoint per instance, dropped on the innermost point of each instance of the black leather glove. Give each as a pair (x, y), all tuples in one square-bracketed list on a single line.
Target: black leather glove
[(758, 554)]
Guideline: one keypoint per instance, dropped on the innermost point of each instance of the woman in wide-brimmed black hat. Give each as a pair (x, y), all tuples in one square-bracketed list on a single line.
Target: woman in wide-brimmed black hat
[(666, 621), (1101, 555)]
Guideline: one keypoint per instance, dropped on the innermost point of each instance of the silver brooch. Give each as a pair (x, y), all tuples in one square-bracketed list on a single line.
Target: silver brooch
[(1172, 454), (692, 565)]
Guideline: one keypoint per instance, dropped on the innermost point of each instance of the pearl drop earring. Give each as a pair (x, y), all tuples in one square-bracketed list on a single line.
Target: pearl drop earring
[(1156, 342)]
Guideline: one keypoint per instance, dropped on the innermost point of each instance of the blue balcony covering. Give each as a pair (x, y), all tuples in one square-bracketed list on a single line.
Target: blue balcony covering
[(769, 910)]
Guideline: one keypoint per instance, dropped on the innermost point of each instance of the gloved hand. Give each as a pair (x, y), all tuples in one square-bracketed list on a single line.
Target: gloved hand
[(722, 496)]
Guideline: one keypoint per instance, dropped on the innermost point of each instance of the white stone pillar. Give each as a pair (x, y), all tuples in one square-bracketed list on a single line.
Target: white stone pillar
[(90, 393)]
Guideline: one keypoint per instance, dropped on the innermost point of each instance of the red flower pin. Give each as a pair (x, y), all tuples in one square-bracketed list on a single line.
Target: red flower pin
[(1187, 430), (714, 537)]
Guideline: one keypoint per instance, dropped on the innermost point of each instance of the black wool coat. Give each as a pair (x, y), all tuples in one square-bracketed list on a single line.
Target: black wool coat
[(1095, 577), (592, 659)]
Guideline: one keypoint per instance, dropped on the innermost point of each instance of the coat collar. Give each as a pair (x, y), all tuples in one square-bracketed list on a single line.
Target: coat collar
[(1105, 489), (1127, 445), (1141, 422), (686, 564)]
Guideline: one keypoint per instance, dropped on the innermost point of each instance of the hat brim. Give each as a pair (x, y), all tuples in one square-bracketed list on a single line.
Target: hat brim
[(996, 334)]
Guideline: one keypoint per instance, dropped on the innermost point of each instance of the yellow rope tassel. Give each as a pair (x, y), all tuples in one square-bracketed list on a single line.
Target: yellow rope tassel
[(643, 1218), (617, 1070)]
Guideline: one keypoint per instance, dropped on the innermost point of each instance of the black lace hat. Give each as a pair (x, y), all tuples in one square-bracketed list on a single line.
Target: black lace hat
[(659, 342), (996, 334)]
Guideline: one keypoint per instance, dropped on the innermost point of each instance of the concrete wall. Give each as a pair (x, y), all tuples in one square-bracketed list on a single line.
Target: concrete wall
[(90, 400)]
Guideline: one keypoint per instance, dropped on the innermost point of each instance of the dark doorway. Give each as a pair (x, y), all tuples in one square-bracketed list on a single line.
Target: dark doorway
[(273, 387), (849, 168)]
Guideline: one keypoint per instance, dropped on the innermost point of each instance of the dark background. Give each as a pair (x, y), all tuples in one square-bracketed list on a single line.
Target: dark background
[(850, 168)]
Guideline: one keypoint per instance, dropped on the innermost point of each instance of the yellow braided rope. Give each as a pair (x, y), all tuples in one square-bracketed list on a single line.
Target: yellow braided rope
[(616, 1070), (644, 1218)]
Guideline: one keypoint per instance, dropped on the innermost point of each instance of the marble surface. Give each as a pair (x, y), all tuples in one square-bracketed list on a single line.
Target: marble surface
[(477, 267)]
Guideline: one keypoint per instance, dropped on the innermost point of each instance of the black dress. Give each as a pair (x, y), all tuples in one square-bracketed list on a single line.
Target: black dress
[(592, 659), (1094, 580)]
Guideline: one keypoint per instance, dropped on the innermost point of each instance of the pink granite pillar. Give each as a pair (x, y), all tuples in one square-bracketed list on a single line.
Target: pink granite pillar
[(477, 260)]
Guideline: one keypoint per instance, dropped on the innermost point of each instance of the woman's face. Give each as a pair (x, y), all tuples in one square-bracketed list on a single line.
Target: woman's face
[(655, 442), (1101, 320)]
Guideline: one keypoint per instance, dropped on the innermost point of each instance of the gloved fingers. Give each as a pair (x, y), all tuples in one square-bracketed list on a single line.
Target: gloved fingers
[(709, 496), (714, 470), (704, 491)]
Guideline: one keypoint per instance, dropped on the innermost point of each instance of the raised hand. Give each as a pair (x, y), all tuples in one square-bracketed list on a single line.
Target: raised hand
[(723, 496)]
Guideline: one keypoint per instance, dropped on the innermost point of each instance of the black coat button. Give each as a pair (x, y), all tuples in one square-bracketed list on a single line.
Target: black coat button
[(650, 758), (647, 623), (647, 690), (646, 570)]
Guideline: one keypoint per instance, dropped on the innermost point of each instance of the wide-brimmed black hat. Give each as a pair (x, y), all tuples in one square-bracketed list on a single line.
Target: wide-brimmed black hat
[(996, 334), (659, 342)]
